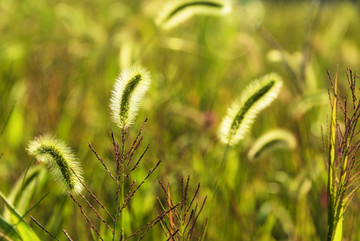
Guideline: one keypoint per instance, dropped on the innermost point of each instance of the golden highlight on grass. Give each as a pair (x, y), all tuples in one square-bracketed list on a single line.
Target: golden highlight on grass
[(60, 160), (129, 88), (177, 12), (240, 116), (272, 139)]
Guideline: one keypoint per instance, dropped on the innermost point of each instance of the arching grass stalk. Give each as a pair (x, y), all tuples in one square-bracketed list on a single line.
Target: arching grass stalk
[(240, 117), (343, 161), (179, 11)]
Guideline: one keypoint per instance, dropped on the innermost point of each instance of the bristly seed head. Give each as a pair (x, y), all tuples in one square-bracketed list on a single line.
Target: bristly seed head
[(60, 160), (176, 12), (258, 95), (272, 139), (128, 91)]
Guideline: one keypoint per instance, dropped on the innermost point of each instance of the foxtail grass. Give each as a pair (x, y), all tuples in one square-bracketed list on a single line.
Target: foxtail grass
[(272, 139), (126, 97), (179, 11), (127, 94), (60, 160), (240, 117), (242, 113)]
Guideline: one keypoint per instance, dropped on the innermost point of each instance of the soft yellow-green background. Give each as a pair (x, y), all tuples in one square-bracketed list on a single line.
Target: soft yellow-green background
[(58, 62)]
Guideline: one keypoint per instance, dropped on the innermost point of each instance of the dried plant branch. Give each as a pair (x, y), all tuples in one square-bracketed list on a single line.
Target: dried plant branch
[(102, 162), (129, 197), (184, 218), (131, 156), (137, 137), (86, 217), (96, 199), (197, 216), (97, 213), (140, 158), (67, 235), (173, 235), (164, 226), (43, 228), (192, 200), (147, 226)]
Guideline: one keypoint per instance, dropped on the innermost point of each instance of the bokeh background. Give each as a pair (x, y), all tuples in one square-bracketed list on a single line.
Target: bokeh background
[(58, 64)]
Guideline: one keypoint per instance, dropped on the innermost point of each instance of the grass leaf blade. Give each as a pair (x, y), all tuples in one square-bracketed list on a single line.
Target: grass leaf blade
[(24, 230)]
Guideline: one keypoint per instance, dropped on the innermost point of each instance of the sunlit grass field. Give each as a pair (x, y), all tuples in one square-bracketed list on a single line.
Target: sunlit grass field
[(59, 61)]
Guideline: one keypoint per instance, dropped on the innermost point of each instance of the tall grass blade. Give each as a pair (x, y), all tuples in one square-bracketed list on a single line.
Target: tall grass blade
[(331, 159), (24, 230), (24, 190), (7, 232)]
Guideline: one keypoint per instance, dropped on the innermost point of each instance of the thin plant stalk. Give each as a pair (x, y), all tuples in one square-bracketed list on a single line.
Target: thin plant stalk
[(122, 183), (122, 213), (216, 185), (336, 199), (331, 184)]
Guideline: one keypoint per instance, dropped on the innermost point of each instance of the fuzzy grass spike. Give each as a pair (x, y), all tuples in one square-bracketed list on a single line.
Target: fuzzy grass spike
[(129, 88), (242, 113), (179, 11), (60, 160), (277, 138)]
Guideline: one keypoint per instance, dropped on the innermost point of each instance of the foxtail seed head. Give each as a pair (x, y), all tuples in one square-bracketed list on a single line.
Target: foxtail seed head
[(176, 12), (128, 91), (240, 116), (60, 160), (272, 139)]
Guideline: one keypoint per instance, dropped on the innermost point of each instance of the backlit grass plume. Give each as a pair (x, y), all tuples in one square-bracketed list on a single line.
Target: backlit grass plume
[(61, 161), (240, 116), (128, 91), (179, 11), (277, 138)]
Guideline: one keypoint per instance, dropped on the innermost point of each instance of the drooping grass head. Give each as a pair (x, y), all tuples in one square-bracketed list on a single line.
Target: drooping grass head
[(128, 91), (240, 116), (176, 12), (276, 138), (60, 160)]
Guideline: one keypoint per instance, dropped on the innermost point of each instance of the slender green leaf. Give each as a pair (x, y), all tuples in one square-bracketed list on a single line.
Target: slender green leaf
[(331, 159), (26, 187), (24, 230), (7, 231)]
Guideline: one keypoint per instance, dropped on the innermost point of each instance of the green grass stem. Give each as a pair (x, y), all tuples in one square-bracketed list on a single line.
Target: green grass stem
[(216, 186)]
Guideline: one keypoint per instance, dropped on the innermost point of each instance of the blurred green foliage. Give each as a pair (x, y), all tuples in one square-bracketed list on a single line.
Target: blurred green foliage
[(58, 62)]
